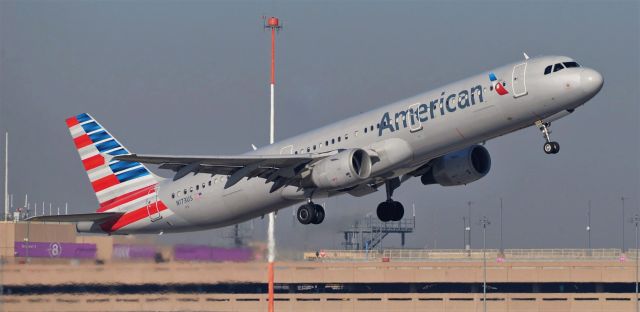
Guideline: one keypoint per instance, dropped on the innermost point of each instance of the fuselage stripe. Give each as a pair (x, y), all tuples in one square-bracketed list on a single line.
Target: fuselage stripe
[(128, 197), (136, 215)]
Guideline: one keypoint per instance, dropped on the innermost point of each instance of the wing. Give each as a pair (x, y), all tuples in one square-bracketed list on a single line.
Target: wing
[(102, 216), (282, 170)]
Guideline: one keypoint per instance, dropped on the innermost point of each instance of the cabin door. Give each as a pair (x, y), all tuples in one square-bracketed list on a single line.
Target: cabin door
[(518, 81)]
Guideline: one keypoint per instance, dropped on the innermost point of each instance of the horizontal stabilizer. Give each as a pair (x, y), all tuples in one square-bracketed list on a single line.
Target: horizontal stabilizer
[(96, 217)]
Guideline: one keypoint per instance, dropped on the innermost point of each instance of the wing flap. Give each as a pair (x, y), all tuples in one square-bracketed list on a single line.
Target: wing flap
[(96, 217)]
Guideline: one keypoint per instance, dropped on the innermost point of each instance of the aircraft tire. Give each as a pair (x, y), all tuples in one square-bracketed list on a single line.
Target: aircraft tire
[(305, 214), (383, 211), (319, 214), (397, 211), (548, 147)]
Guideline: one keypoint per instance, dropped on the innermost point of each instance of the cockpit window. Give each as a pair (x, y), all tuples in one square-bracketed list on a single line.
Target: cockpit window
[(570, 64), (557, 67), (548, 70)]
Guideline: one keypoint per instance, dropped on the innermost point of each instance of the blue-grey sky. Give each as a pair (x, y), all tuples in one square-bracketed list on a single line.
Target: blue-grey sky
[(191, 77)]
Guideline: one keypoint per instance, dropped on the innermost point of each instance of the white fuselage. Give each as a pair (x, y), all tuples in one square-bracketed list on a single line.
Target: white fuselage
[(405, 134)]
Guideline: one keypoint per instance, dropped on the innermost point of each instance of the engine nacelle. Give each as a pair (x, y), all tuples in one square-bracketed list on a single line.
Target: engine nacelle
[(342, 170), (459, 168)]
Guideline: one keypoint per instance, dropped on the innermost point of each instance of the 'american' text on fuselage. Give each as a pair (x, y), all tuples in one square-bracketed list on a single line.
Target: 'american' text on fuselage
[(424, 111)]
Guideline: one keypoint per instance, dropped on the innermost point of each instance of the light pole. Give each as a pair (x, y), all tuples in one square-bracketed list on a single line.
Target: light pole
[(622, 198), (589, 229), (484, 222), (468, 229), (464, 233), (501, 246), (636, 220)]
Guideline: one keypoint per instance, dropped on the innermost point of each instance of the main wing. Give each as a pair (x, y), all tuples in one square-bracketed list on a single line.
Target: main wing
[(282, 170)]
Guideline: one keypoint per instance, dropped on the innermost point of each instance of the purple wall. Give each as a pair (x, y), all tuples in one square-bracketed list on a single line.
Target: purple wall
[(206, 253), (123, 251), (55, 250)]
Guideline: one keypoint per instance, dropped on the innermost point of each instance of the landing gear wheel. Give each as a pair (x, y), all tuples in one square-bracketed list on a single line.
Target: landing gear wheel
[(319, 214), (556, 147), (390, 211), (551, 147), (306, 214), (383, 211), (397, 211), (548, 148)]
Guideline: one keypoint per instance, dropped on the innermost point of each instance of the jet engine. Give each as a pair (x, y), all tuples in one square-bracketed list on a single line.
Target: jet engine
[(459, 168), (344, 169)]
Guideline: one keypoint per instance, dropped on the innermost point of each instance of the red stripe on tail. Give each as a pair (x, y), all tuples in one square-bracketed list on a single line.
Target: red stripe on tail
[(82, 141), (106, 182), (93, 162), (72, 121)]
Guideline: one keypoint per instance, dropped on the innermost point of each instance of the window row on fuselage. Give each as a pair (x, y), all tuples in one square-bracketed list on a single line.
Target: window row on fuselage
[(198, 187), (335, 140)]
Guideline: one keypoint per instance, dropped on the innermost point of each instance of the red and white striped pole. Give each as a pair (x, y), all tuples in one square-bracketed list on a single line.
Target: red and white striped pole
[(274, 24)]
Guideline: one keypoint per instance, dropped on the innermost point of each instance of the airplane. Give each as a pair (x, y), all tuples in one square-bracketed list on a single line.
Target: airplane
[(435, 136)]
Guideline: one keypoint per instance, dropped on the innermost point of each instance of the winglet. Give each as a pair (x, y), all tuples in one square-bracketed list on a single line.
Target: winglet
[(526, 57)]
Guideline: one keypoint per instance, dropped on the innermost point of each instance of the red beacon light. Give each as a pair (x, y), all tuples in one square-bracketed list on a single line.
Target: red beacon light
[(272, 22)]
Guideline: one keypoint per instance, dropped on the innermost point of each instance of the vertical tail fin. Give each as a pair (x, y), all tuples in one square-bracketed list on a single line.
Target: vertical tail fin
[(115, 183)]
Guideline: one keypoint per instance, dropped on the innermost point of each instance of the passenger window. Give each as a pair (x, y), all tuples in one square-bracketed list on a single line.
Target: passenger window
[(296, 152), (197, 187), (338, 139), (365, 130), (326, 143), (333, 141), (191, 189), (203, 185), (314, 147), (547, 70), (308, 149), (185, 192), (557, 67), (570, 64), (346, 136), (173, 195), (371, 127), (209, 182)]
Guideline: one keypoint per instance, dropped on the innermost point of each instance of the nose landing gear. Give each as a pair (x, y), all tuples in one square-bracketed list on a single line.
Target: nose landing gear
[(549, 147)]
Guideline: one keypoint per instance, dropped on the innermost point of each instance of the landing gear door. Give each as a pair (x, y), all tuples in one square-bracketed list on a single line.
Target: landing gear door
[(518, 81), (152, 205), (413, 118)]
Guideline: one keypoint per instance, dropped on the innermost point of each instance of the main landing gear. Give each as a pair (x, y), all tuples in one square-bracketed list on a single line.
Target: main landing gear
[(550, 147), (310, 213), (390, 210)]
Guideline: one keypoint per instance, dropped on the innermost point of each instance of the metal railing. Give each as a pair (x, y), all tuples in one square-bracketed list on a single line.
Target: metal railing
[(608, 254)]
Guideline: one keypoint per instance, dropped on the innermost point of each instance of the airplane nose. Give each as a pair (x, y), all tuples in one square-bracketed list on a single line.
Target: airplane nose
[(591, 81)]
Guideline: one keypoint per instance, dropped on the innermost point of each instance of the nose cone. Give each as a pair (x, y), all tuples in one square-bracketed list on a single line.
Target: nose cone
[(591, 81)]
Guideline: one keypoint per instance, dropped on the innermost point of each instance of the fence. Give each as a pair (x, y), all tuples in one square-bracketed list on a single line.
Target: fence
[(608, 254)]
